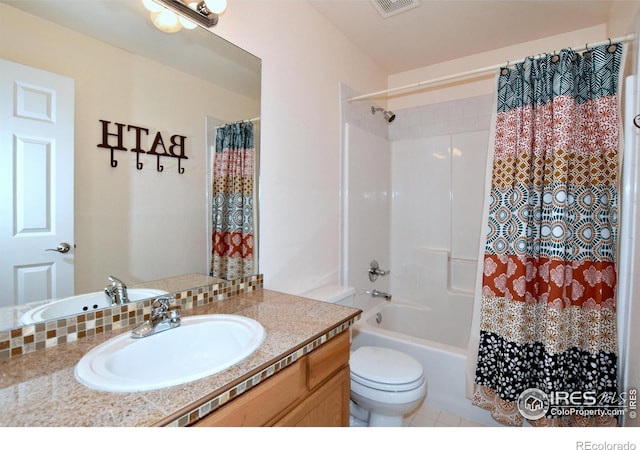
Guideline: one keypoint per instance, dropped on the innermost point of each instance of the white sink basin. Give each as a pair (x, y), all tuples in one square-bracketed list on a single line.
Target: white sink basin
[(82, 303), (201, 346)]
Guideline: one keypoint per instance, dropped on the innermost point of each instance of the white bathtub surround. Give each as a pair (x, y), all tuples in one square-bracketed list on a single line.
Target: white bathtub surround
[(431, 238), (421, 322), (411, 193), (367, 212), (436, 208)]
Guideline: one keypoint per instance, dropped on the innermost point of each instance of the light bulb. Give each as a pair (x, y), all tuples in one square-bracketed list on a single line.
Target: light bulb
[(152, 6), (186, 23), (216, 6), (166, 21)]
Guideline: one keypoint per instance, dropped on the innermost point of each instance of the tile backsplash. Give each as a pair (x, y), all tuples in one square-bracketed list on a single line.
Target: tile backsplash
[(30, 338)]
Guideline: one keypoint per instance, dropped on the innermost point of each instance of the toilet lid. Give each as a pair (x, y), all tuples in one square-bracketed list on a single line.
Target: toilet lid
[(379, 367)]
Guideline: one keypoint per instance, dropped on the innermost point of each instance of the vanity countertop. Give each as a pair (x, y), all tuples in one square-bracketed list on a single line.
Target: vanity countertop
[(40, 389)]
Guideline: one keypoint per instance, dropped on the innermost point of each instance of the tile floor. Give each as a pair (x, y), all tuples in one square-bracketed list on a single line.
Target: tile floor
[(428, 416)]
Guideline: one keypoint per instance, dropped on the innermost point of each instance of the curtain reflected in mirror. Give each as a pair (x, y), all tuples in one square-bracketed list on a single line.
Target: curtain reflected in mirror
[(233, 202)]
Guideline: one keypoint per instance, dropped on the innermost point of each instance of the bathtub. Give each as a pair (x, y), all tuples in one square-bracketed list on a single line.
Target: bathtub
[(431, 339)]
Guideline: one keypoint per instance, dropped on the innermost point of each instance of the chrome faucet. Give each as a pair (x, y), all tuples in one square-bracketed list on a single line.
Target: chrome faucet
[(377, 293), (375, 271), (117, 291), (162, 319)]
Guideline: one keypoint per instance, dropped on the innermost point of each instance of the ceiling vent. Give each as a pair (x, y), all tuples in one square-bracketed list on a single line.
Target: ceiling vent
[(388, 8)]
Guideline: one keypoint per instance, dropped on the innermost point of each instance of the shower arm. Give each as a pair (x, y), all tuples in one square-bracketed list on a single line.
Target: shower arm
[(389, 116)]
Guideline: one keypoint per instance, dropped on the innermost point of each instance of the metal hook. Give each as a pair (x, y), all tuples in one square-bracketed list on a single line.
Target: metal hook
[(636, 121), (575, 55)]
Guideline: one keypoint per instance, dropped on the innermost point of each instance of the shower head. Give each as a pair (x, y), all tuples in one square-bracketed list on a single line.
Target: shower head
[(388, 115)]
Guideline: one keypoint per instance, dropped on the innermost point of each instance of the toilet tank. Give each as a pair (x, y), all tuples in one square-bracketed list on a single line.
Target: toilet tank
[(333, 293)]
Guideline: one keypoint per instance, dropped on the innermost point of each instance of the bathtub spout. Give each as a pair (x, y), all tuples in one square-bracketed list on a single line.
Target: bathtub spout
[(377, 293)]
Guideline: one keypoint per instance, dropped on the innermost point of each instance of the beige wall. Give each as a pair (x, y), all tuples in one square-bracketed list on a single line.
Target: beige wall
[(622, 17), (621, 23), (483, 84), (304, 60), (135, 224)]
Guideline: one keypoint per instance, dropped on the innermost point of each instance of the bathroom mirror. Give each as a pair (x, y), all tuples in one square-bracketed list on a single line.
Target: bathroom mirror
[(146, 218)]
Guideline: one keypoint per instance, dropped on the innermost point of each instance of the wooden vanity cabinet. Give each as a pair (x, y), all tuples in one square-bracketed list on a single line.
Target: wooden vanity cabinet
[(312, 392)]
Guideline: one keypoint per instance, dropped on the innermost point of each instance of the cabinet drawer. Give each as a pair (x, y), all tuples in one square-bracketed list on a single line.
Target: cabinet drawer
[(327, 359)]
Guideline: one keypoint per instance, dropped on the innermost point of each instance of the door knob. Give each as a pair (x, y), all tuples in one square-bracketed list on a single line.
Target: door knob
[(63, 247)]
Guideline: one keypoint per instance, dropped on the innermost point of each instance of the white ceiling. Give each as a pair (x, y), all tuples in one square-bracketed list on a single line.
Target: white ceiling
[(433, 32), (443, 30)]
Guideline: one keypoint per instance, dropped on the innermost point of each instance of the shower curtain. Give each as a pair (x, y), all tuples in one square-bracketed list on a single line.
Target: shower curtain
[(232, 202), (546, 308)]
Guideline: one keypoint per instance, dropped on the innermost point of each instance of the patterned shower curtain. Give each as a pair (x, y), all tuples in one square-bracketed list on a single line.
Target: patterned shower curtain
[(548, 309), (232, 208)]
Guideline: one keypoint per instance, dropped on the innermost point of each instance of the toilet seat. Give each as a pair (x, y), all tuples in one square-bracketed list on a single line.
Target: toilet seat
[(385, 369)]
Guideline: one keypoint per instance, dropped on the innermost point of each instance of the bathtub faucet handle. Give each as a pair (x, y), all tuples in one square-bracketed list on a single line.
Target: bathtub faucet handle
[(375, 271)]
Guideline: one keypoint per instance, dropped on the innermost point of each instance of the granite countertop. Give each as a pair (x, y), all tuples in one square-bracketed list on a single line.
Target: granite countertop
[(40, 389), (178, 283)]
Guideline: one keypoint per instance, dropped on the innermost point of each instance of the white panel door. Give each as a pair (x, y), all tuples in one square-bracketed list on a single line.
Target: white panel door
[(36, 184)]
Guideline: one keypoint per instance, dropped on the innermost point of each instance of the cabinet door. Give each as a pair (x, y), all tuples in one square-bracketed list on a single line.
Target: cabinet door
[(327, 406), (314, 391), (263, 403), (327, 360)]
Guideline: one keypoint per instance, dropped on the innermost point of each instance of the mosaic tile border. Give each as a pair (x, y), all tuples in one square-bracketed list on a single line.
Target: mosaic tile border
[(31, 338), (210, 406)]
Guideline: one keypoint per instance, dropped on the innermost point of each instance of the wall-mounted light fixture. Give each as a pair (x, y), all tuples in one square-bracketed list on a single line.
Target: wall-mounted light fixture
[(171, 16)]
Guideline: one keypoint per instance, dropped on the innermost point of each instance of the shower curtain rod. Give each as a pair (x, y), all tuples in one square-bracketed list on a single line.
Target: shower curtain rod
[(255, 119), (471, 73)]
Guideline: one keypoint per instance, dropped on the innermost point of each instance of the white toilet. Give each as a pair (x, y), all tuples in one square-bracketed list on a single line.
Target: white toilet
[(385, 384)]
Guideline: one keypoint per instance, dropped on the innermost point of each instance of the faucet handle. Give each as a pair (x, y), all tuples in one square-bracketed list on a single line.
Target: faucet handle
[(174, 315), (160, 306), (375, 271)]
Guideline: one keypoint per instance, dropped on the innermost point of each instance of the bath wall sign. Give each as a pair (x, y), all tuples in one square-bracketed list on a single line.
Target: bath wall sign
[(113, 137)]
